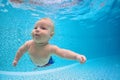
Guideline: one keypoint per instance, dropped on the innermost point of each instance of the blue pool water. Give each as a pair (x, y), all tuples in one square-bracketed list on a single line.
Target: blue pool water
[(89, 27)]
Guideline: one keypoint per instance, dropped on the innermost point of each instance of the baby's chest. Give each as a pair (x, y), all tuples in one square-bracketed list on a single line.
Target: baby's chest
[(38, 52)]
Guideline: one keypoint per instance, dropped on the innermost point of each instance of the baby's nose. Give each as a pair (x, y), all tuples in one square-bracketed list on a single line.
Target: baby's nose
[(37, 30)]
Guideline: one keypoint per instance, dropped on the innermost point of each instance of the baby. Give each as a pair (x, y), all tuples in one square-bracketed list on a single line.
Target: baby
[(40, 50)]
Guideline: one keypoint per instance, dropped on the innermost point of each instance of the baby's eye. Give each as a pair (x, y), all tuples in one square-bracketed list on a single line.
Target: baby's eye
[(35, 27), (44, 28)]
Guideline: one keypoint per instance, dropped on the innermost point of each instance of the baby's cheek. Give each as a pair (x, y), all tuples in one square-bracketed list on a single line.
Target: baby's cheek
[(32, 33)]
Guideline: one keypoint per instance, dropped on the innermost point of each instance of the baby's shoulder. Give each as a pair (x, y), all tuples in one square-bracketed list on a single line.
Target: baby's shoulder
[(53, 48), (28, 43)]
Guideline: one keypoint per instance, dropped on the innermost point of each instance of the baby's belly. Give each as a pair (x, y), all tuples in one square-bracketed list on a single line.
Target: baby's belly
[(40, 61)]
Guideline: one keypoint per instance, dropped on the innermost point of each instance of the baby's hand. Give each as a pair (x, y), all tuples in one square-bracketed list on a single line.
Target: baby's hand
[(81, 58), (14, 63)]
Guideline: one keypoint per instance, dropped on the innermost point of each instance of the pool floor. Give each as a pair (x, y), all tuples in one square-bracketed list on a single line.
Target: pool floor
[(106, 68)]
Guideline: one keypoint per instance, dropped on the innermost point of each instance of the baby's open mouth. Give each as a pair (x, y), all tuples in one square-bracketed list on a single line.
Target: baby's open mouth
[(37, 35)]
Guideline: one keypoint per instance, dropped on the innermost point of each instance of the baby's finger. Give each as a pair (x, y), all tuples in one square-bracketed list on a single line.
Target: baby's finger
[(83, 59)]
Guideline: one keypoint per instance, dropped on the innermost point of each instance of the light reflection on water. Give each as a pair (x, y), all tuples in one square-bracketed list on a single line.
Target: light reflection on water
[(65, 9)]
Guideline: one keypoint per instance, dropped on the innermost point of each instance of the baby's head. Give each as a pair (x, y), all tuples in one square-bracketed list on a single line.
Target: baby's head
[(43, 30), (48, 22)]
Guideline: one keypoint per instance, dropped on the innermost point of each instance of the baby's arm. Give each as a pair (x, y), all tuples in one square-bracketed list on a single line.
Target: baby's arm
[(69, 54), (20, 52)]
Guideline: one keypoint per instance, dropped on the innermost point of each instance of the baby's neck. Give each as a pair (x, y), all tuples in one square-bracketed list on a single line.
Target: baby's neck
[(41, 44)]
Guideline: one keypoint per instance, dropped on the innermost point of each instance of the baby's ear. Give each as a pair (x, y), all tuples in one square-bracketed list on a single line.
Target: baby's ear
[(51, 34)]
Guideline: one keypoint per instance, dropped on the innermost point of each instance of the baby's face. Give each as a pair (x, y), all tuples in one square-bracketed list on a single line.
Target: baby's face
[(41, 32)]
